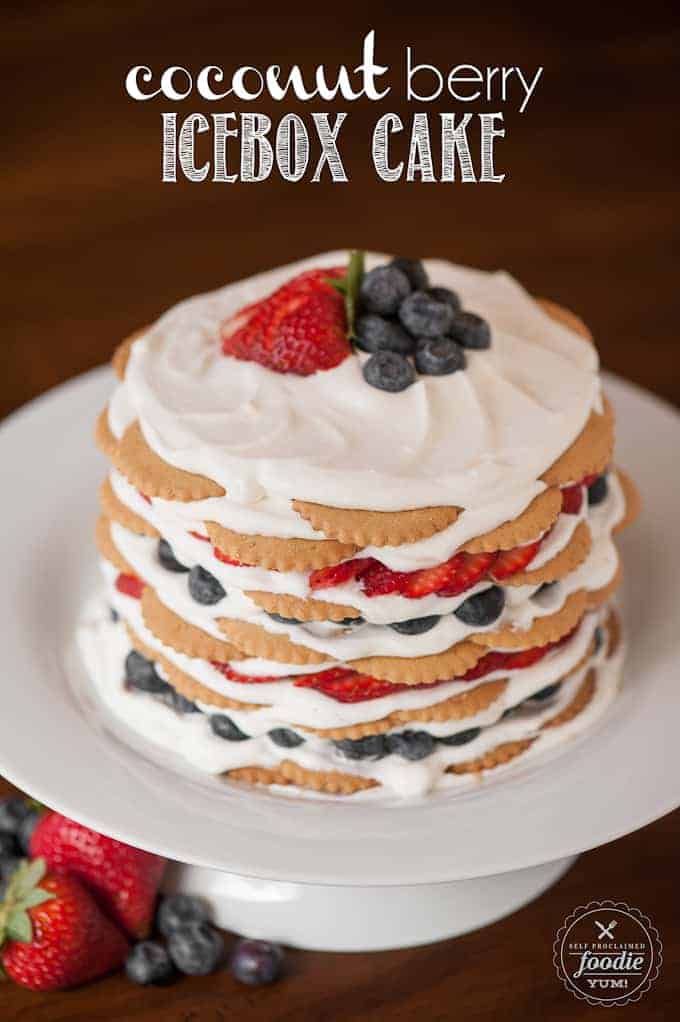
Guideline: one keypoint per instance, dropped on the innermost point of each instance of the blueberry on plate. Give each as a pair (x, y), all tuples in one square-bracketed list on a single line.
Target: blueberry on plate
[(425, 316), (389, 371), (439, 356), (204, 587), (8, 845), (149, 963), (545, 693), (167, 557), (597, 491), (370, 747), (224, 727), (141, 674), (461, 737), (383, 289), (373, 333), (284, 737), (483, 608), (445, 294), (414, 270), (416, 625), (177, 910), (470, 330), (196, 948), (256, 962), (412, 745)]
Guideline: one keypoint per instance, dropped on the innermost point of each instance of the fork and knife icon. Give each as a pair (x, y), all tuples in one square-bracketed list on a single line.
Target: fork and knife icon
[(606, 931)]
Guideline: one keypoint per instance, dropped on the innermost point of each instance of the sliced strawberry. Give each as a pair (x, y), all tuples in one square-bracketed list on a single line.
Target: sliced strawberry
[(379, 580), (300, 328), (246, 679), (469, 568), (144, 496), (338, 574), (572, 499), (130, 585), (509, 562), (589, 480), (198, 535), (503, 661), (346, 686), (228, 560)]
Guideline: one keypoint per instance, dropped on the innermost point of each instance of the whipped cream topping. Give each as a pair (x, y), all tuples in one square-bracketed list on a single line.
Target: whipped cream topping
[(472, 439), (104, 646)]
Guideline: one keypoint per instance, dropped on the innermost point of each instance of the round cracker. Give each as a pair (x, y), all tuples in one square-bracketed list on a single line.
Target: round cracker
[(301, 609), (154, 477), (376, 528), (535, 520), (566, 317), (279, 554), (116, 511), (589, 454), (423, 670), (103, 437), (121, 355), (255, 641), (549, 628), (633, 501), (108, 549), (331, 782), (173, 631), (559, 566)]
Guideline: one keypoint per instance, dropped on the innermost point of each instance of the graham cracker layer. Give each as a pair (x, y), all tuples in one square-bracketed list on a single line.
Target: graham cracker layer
[(154, 477), (108, 549), (103, 437), (566, 317), (559, 566), (633, 501), (122, 353), (279, 554), (302, 610), (255, 641), (376, 528), (184, 683), (328, 781), (466, 704), (173, 631), (533, 522), (589, 454), (115, 510), (549, 628), (421, 670), (596, 597)]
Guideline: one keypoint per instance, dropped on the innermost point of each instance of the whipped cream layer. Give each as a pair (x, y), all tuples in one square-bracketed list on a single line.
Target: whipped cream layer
[(472, 439), (104, 646)]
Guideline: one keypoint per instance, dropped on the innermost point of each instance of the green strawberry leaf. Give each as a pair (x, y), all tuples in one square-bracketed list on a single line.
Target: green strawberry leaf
[(36, 897), (28, 876), (19, 927)]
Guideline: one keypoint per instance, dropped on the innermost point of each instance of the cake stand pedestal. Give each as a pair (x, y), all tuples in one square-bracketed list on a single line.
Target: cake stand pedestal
[(335, 918)]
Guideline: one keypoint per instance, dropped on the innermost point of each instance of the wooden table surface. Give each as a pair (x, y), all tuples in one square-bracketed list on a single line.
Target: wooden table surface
[(95, 245)]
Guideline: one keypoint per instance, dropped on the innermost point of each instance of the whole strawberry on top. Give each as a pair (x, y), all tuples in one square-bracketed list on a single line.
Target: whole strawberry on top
[(53, 935), (124, 880)]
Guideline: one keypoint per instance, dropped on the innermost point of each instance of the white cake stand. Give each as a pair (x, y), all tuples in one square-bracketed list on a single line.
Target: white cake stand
[(336, 875)]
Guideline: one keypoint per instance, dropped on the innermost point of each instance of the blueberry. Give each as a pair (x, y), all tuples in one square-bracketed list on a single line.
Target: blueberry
[(424, 316), (196, 948), (176, 701), (445, 294), (8, 845), (25, 831), (148, 962), (286, 738), (599, 639), (597, 491), (8, 867), (373, 333), (204, 587), (282, 620), (383, 289), (141, 674), (414, 270), (483, 608), (350, 621), (416, 626), (461, 737), (114, 615), (256, 962), (545, 693), (470, 330), (412, 745), (370, 747), (387, 370), (176, 910), (13, 810), (224, 727), (167, 557), (439, 356)]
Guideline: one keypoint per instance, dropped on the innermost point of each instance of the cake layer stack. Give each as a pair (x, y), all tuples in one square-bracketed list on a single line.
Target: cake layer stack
[(322, 584)]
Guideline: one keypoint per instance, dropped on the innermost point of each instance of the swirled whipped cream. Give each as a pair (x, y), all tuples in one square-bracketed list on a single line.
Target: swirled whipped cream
[(471, 439)]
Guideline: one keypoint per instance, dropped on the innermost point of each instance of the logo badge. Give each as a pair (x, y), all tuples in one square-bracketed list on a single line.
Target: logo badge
[(607, 953)]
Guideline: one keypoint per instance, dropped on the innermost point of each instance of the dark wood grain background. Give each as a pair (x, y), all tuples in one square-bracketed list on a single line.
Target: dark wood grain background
[(95, 245)]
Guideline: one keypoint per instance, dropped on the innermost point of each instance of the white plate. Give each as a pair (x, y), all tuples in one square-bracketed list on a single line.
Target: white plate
[(55, 746)]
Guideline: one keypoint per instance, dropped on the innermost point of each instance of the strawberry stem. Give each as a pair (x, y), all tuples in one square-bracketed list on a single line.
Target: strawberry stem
[(349, 285)]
